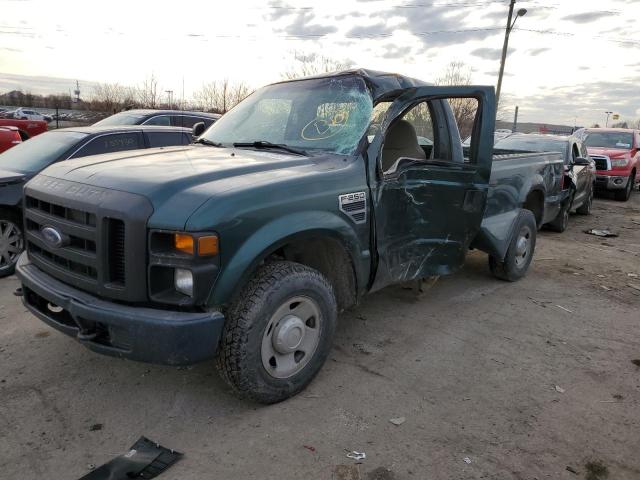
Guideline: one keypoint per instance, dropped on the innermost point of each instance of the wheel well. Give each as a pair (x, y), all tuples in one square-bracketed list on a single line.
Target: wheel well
[(329, 257), (23, 135), (11, 213), (535, 203)]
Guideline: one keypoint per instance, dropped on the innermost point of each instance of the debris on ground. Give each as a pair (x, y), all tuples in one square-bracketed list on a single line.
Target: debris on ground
[(605, 288), (633, 275), (560, 389), (398, 421), (145, 459), (95, 427), (617, 396), (467, 460), (356, 455), (596, 470), (601, 232), (564, 308), (572, 470), (636, 362), (310, 448)]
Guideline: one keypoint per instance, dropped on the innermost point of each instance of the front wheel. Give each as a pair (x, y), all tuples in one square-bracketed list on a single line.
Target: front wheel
[(278, 332), (11, 244), (561, 222), (585, 208), (520, 252), (624, 195)]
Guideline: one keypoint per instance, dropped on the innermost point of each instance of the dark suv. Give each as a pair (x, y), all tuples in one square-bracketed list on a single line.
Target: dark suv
[(168, 118)]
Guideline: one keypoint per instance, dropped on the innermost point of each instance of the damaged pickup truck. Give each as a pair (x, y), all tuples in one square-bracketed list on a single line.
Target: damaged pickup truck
[(290, 208)]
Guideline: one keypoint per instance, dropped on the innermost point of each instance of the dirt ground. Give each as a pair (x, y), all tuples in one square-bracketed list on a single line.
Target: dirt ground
[(527, 380)]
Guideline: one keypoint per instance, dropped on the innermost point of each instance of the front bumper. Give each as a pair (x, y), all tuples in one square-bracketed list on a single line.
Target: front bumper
[(137, 333), (611, 182)]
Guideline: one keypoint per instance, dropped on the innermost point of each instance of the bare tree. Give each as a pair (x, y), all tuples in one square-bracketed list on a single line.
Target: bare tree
[(110, 97), (464, 109), (147, 93), (221, 96), (313, 64)]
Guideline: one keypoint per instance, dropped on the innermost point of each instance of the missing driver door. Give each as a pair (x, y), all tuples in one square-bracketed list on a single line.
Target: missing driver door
[(430, 196)]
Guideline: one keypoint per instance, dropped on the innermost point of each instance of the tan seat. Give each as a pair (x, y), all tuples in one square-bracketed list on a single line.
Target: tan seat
[(401, 141)]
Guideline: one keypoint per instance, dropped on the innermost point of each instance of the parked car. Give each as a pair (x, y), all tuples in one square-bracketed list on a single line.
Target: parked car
[(175, 118), (26, 114), (26, 128), (247, 244), (24, 161), (616, 152), (9, 137), (579, 176)]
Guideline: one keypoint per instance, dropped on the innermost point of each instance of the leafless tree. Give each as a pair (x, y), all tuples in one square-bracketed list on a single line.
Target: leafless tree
[(147, 93), (313, 64), (220, 96), (110, 97), (464, 109)]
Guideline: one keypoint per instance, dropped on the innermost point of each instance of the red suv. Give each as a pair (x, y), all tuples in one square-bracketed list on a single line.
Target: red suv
[(616, 152)]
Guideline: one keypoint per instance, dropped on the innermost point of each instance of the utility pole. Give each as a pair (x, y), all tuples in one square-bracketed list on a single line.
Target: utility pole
[(515, 121), (607, 122), (170, 97), (520, 13)]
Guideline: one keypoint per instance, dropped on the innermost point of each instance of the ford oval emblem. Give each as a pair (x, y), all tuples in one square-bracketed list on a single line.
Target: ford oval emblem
[(52, 236)]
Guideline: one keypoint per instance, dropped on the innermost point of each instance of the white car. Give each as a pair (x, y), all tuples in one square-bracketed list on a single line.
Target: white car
[(24, 114)]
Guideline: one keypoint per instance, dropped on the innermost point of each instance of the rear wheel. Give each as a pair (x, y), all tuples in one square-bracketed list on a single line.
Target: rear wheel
[(11, 243), (624, 195), (278, 333), (585, 208), (520, 251)]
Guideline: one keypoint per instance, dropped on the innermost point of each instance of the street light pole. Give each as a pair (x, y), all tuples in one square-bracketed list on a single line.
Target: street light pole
[(505, 46), (607, 122)]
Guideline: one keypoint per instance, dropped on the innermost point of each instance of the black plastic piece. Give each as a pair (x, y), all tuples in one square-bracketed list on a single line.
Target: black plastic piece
[(145, 459)]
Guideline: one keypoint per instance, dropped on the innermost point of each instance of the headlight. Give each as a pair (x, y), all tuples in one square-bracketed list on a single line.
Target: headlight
[(619, 162), (183, 280)]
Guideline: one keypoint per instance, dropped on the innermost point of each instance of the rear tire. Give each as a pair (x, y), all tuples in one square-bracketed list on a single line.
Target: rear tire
[(520, 251), (624, 195), (585, 208), (278, 333)]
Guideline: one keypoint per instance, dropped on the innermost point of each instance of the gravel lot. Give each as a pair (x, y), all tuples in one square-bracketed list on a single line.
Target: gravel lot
[(527, 381)]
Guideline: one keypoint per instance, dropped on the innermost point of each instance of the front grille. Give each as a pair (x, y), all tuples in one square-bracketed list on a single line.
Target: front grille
[(82, 250), (602, 162)]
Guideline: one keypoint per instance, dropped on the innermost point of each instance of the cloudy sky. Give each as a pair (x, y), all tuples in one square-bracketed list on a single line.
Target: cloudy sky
[(569, 60)]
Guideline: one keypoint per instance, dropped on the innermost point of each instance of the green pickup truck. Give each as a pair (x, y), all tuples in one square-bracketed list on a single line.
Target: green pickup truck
[(245, 245)]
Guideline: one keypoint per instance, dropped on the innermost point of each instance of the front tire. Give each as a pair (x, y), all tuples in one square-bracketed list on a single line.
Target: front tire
[(561, 222), (585, 208), (11, 242), (278, 333), (624, 195), (520, 251)]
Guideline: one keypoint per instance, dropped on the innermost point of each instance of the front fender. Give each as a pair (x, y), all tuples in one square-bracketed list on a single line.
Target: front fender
[(238, 269)]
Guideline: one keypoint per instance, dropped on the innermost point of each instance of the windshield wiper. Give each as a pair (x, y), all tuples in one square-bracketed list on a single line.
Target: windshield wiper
[(265, 144), (205, 141)]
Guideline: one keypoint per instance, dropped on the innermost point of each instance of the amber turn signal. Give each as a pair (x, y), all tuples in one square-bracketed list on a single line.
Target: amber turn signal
[(184, 243), (208, 245)]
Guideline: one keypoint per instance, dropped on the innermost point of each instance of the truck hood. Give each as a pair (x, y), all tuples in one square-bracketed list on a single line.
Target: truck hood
[(177, 180), (609, 152)]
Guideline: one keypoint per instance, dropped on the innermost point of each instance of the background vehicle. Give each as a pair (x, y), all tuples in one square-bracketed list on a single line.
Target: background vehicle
[(27, 128), (22, 162), (26, 114), (175, 118), (616, 152), (579, 169), (9, 137), (247, 244)]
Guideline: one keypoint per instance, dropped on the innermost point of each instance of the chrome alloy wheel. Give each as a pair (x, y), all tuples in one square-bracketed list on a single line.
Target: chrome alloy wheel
[(11, 244)]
